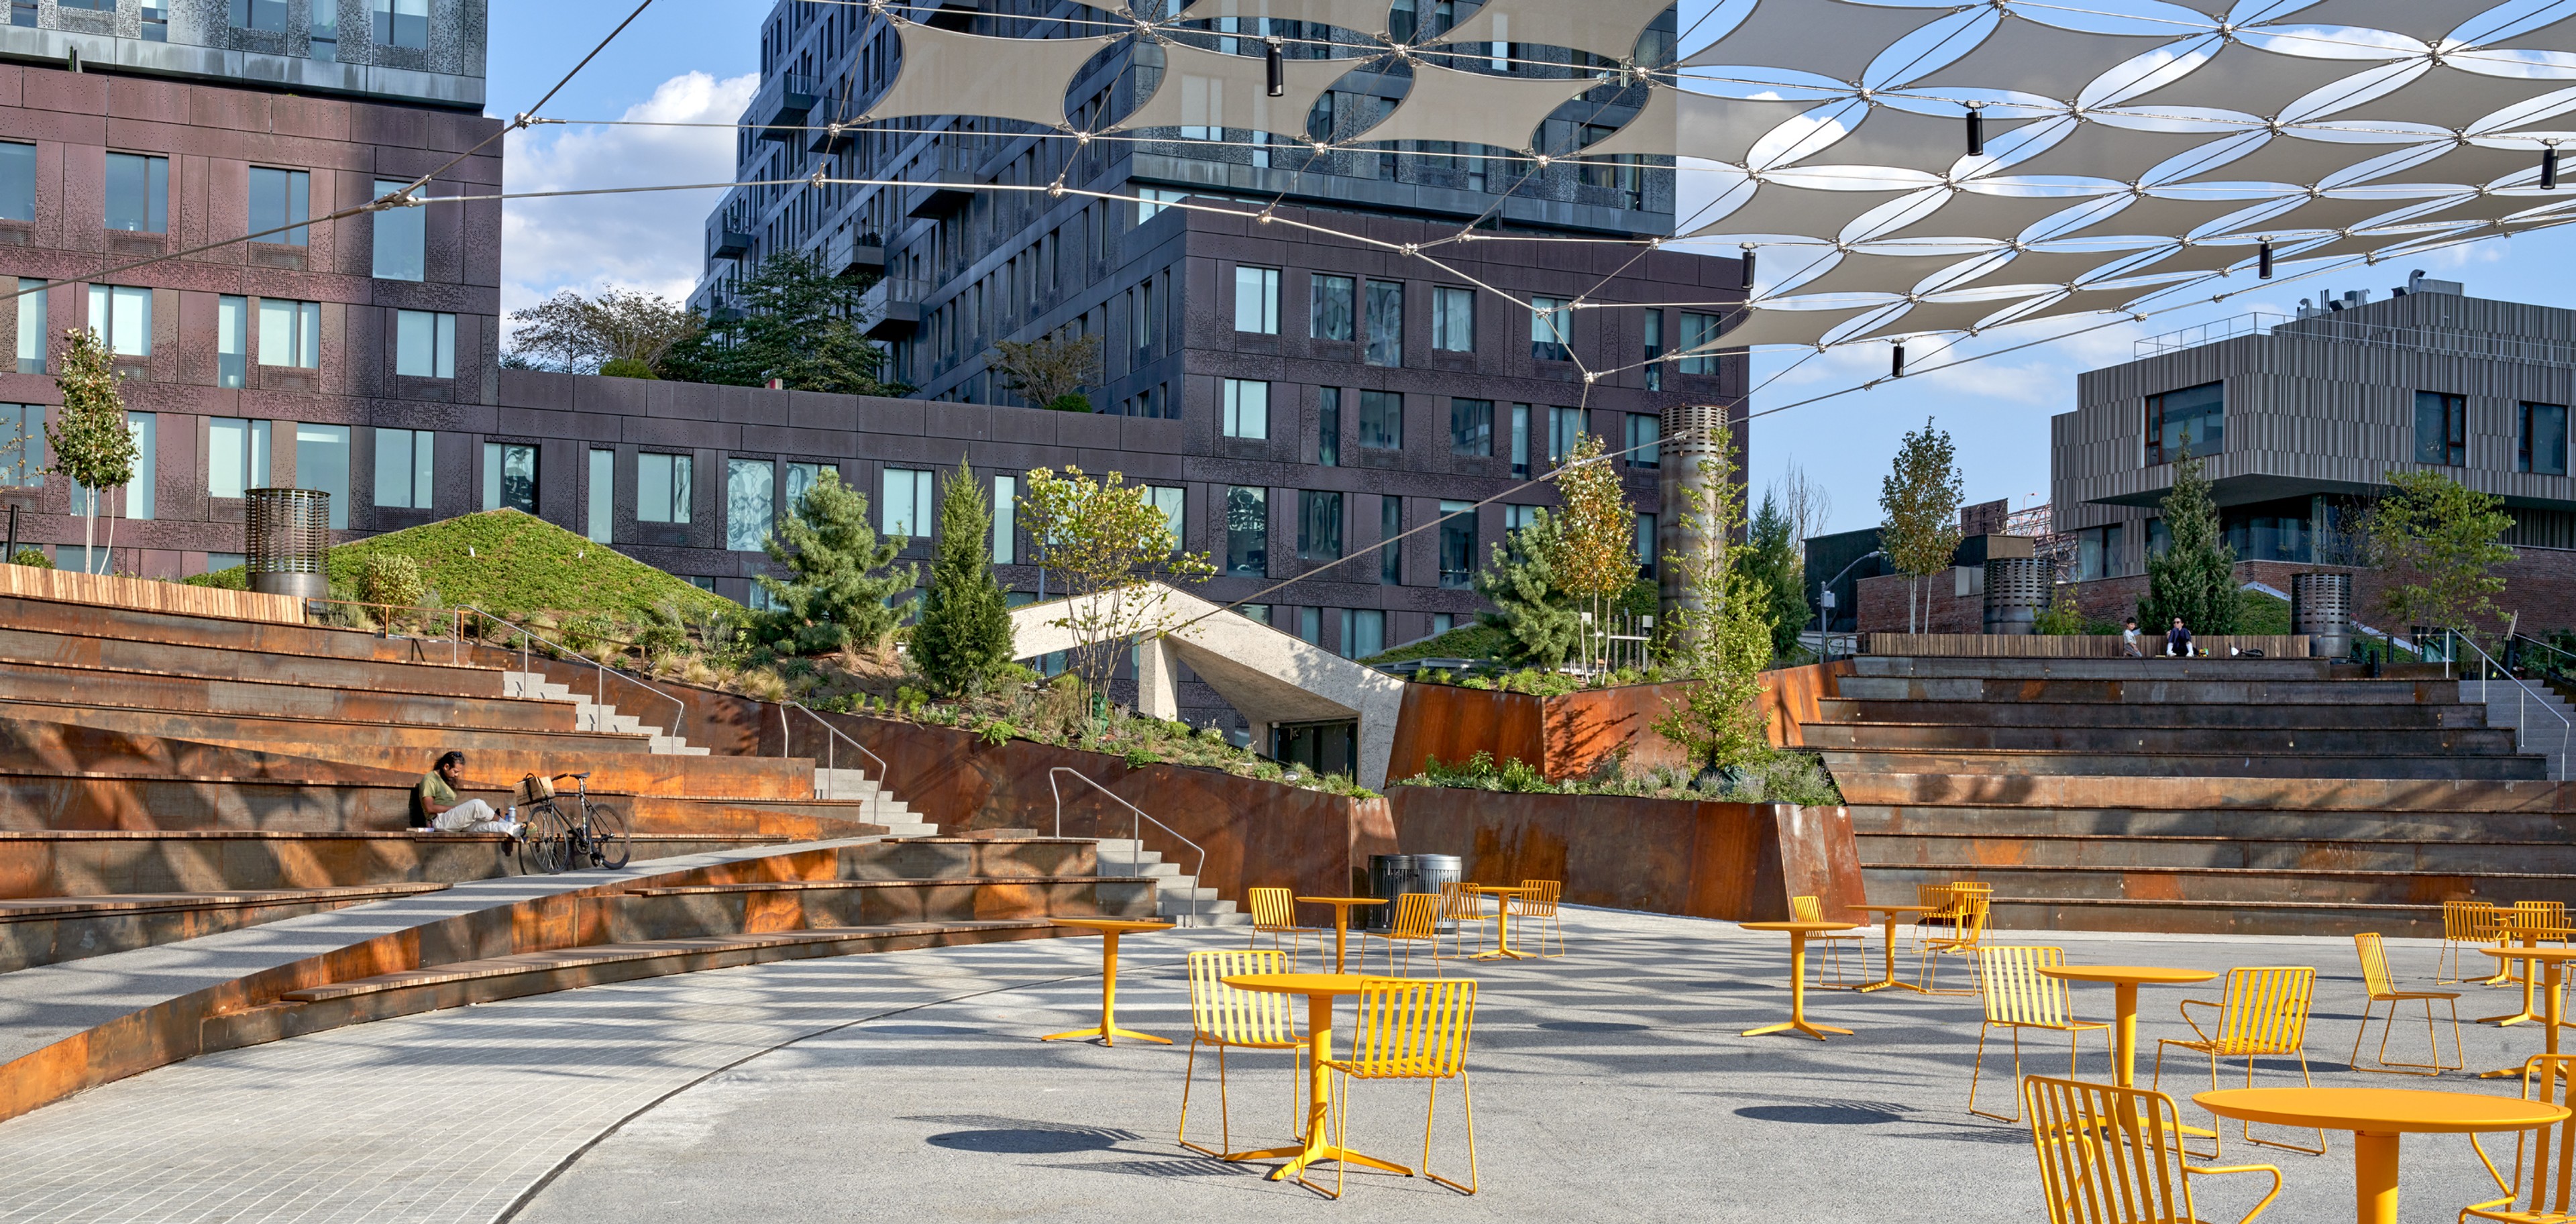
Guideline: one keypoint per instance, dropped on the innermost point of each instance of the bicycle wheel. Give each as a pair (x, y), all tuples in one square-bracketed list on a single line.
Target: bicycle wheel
[(609, 845), (547, 843)]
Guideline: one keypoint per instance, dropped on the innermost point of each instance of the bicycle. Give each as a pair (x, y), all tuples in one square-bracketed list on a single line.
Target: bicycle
[(555, 840)]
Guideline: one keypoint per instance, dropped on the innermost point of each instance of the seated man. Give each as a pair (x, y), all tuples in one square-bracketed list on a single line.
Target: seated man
[(434, 804), (2178, 640)]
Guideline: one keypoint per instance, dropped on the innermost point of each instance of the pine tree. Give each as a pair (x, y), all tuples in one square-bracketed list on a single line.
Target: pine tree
[(1531, 604), (1775, 566), (834, 596), (965, 628), (2195, 577)]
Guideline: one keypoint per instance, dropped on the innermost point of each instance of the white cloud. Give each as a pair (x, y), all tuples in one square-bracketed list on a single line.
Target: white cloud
[(647, 240)]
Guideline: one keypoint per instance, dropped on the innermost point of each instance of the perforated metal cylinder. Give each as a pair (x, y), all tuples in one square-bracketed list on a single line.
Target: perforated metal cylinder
[(289, 541), (2016, 590), (1692, 432), (2321, 608)]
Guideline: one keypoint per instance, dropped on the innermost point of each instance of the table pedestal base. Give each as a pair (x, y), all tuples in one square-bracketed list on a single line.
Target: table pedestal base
[(1890, 980), (2374, 1178), (1108, 1035), (1816, 1031), (1797, 998)]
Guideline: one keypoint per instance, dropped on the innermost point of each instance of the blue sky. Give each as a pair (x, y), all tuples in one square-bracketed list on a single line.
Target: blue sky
[(694, 62)]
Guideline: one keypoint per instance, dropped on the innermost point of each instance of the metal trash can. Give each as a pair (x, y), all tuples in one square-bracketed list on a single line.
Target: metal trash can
[(2017, 591), (2321, 607), (288, 538), (1393, 875)]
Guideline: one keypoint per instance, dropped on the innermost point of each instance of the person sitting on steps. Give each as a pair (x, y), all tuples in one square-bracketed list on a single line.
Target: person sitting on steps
[(434, 804), (2129, 640), (2178, 641)]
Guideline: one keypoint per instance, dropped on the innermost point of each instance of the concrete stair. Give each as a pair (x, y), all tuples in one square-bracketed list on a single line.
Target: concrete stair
[(592, 716), (2541, 720), (1180, 897), (882, 808)]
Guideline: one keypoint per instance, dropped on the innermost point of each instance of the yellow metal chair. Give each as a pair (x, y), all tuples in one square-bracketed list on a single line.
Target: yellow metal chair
[(2540, 916), (2548, 1153), (1810, 909), (1417, 921), (1410, 1030), (2264, 1012), (1227, 1018), (2018, 996), (1274, 913), (2375, 979), (2113, 1155), (2466, 927), (1953, 900), (1460, 908), (1936, 898), (1541, 907), (1964, 940)]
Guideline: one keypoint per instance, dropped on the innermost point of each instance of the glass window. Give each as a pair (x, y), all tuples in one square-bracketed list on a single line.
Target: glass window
[(1699, 335), (31, 323), (2441, 428), (1152, 200), (1471, 427), (1333, 306), (290, 333), (1654, 333), (261, 14), (237, 457), (322, 462), (1520, 439), (280, 198), (909, 510), (1247, 408), (1363, 632), (1319, 526), (1256, 300), (1141, 322), (1645, 445), (155, 16), (1168, 499), (1385, 323), (1551, 329), (1006, 511), (403, 458), (402, 23), (1646, 545), (1310, 625), (662, 493), (1565, 427), (143, 427), (599, 515), (510, 476), (138, 193), (1517, 517), (2192, 419), (2544, 440), (750, 506), (802, 477), (1328, 427), (1453, 319), (1382, 420), (18, 182), (424, 344), (121, 315), (401, 236), (326, 31), (232, 340), (22, 445), (1247, 531), (1457, 544), (1390, 524)]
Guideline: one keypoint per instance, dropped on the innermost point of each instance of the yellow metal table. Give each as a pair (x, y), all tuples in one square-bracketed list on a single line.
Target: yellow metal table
[(1110, 929), (1895, 914), (2552, 962), (1503, 898), (2530, 937), (1320, 990), (2125, 980), (1798, 933), (2376, 1117), (1342, 923)]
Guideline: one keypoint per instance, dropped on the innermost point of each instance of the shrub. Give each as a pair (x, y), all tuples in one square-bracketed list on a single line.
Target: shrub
[(627, 367), (1071, 401), (392, 579), (32, 558)]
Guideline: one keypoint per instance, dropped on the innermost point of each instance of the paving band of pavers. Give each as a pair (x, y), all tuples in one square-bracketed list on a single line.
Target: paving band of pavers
[(1610, 1085)]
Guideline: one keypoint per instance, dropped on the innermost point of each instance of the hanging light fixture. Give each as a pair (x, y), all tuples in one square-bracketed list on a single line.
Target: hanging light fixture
[(1270, 54), (2263, 260), (2549, 165), (1896, 363), (1976, 129), (1748, 267)]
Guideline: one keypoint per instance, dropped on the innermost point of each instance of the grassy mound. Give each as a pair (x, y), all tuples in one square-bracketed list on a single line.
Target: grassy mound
[(1463, 642), (506, 561)]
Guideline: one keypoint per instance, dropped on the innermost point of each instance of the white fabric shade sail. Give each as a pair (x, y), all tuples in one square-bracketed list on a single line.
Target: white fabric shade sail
[(1607, 28), (1202, 88)]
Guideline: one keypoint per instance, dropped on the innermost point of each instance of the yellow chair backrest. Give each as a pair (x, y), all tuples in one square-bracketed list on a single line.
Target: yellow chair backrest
[(2015, 990), (1457, 902), (2552, 1148), (1273, 909), (1971, 931), (1417, 915), (1412, 1029), (2089, 1181), (1936, 897), (2265, 1010), (1806, 909), (2465, 921), (2374, 965), (1964, 891), (1240, 1017), (1541, 903), (2539, 915)]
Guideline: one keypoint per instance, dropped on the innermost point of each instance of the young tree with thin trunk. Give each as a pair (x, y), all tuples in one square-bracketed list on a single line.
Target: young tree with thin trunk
[(964, 634), (1105, 541), (2439, 542), (1804, 504), (1921, 499), (1050, 371), (91, 442), (1725, 640), (1597, 559)]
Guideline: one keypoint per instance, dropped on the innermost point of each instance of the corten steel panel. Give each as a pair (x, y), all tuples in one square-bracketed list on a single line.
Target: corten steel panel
[(1452, 725), (1735, 861)]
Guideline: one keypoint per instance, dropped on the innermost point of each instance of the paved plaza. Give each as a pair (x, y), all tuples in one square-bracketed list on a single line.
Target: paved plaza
[(1610, 1085)]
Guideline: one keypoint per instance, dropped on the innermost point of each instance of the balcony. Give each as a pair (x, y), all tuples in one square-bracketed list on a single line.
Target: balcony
[(724, 243), (854, 254), (892, 307), (783, 105), (946, 181)]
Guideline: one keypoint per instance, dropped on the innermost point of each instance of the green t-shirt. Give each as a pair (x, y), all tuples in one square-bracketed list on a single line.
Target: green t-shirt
[(432, 789)]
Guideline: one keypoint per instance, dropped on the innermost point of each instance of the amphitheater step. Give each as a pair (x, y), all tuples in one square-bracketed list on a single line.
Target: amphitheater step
[(2150, 691), (2006, 824), (2110, 715), (2235, 670), (2330, 919), (2161, 741), (277, 732), (2124, 851), (593, 716), (68, 649), (2227, 885), (49, 930), (2212, 766), (263, 698)]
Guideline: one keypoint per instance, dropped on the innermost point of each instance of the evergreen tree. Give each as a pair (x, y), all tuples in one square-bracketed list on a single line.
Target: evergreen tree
[(2195, 577), (841, 575), (798, 325), (1773, 563), (964, 632), (1522, 582)]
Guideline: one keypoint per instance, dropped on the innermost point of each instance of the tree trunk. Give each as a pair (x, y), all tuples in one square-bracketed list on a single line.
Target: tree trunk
[(108, 565), (89, 527)]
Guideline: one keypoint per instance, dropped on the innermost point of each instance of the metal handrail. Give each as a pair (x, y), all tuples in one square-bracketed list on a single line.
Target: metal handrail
[(2523, 699), (830, 753), (599, 671), (384, 624), (1135, 832)]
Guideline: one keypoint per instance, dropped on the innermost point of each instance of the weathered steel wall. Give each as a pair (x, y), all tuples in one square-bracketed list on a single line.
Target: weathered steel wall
[(1570, 736)]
